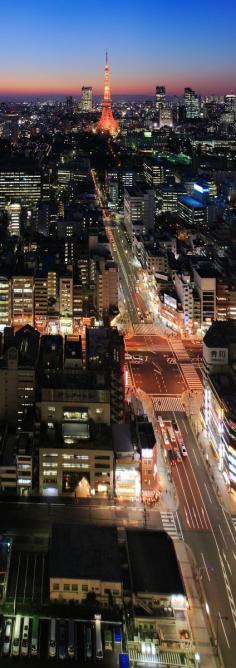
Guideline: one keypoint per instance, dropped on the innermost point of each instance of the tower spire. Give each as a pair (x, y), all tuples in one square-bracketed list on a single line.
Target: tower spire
[(107, 122)]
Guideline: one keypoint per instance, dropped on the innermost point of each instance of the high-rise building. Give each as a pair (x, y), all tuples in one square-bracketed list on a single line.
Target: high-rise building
[(191, 103), (22, 300), (165, 116), (69, 103), (160, 96), (107, 122), (14, 214), (139, 210), (230, 103), (19, 186), (86, 98), (5, 302)]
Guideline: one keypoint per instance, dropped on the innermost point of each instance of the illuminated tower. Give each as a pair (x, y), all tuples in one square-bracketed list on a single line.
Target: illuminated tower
[(107, 122)]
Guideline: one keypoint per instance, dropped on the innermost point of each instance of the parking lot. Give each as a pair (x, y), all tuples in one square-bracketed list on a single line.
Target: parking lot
[(110, 657), (28, 578)]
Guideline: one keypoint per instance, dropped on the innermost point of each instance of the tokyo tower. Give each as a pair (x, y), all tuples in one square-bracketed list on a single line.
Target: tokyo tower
[(107, 122)]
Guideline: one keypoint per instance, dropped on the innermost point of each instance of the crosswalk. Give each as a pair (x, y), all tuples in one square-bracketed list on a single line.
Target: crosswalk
[(145, 329), (180, 351), (171, 525), (167, 403), (173, 659), (191, 377)]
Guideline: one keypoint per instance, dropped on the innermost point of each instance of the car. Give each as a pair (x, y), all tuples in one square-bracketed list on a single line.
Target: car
[(171, 457), (62, 640), (7, 637), (183, 450), (178, 456)]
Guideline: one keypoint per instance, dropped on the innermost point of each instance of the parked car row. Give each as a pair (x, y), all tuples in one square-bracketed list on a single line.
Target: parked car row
[(15, 636), (173, 441), (20, 636)]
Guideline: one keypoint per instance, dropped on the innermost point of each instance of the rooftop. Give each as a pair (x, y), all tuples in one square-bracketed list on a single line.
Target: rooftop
[(192, 203), (153, 563), (220, 334), (84, 552)]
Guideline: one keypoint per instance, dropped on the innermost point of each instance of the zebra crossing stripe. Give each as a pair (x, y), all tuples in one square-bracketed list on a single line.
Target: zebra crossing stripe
[(233, 518), (180, 351), (191, 377), (173, 659), (167, 403), (146, 329), (169, 525)]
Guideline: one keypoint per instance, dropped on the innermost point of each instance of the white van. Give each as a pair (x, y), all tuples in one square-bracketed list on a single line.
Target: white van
[(52, 648), (98, 637), (16, 636), (25, 637), (7, 637)]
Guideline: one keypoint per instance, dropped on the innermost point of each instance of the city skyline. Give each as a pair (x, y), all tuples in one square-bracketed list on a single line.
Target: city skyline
[(57, 49)]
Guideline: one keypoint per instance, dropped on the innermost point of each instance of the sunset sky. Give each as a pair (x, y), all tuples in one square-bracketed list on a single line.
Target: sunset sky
[(56, 46)]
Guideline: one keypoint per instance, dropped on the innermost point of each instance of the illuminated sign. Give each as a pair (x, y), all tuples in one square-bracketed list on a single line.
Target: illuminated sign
[(200, 189), (170, 301)]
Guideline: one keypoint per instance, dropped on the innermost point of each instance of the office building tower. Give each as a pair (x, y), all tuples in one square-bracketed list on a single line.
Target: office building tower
[(139, 210), (22, 300), (5, 302), (86, 98), (154, 171), (191, 103), (107, 122), (14, 215), (19, 186), (69, 103), (160, 96), (165, 117)]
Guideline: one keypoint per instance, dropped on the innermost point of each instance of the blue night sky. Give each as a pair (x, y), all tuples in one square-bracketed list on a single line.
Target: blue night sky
[(55, 46)]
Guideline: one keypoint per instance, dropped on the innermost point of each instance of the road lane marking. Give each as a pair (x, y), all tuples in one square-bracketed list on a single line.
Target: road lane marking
[(225, 634), (185, 427), (193, 497), (185, 498), (205, 566), (193, 509), (194, 453), (208, 493), (187, 519), (226, 519), (222, 535), (203, 503)]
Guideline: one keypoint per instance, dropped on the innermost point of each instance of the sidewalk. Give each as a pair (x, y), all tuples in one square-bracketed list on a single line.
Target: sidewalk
[(226, 498), (197, 618)]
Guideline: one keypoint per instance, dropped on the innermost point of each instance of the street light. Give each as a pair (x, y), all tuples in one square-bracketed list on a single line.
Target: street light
[(219, 618)]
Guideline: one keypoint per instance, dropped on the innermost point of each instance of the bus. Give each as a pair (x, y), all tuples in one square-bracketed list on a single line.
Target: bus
[(52, 647), (16, 636), (25, 637), (98, 637), (124, 660), (34, 637)]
